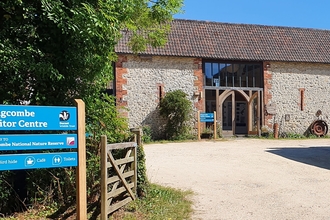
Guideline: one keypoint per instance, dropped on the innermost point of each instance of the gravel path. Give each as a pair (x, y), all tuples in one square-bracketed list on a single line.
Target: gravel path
[(247, 178)]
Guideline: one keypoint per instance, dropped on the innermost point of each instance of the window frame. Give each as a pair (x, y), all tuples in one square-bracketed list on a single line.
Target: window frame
[(234, 79)]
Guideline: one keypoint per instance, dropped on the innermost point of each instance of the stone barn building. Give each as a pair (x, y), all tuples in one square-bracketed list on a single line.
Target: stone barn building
[(253, 76)]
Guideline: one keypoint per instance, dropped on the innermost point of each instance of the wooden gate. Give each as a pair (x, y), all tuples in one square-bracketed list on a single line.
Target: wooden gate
[(118, 175)]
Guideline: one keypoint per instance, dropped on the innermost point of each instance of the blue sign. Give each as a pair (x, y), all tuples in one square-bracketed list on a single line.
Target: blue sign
[(207, 117), (34, 161), (27, 117), (38, 141)]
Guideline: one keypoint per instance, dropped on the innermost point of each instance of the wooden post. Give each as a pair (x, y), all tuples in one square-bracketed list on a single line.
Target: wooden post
[(135, 168), (198, 126), (138, 139), (258, 119), (104, 177), (233, 107), (81, 197), (215, 124), (137, 136)]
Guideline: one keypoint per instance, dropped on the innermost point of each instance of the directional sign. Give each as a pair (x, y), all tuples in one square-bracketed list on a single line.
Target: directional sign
[(26, 117), (38, 141), (206, 117), (34, 161)]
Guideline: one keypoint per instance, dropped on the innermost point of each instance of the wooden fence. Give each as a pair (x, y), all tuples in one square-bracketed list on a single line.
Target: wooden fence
[(118, 175)]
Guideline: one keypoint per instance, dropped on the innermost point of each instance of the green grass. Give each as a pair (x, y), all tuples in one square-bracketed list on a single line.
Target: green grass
[(160, 203)]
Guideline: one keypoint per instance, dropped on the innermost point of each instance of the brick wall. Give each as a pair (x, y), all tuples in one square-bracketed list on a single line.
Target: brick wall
[(267, 93), (198, 84), (121, 81)]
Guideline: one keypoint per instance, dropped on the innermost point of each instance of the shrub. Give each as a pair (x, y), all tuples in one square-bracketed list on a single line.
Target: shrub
[(177, 109)]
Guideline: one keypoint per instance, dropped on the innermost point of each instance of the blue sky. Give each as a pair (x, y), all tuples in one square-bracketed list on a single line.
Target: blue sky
[(292, 13)]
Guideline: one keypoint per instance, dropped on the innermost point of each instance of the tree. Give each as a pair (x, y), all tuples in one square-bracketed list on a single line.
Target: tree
[(53, 51)]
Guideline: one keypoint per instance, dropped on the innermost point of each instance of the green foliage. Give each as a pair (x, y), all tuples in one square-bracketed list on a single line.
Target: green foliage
[(10, 196), (177, 109), (292, 135), (147, 134), (104, 119), (219, 130), (313, 136), (159, 203), (208, 130), (52, 52), (142, 179)]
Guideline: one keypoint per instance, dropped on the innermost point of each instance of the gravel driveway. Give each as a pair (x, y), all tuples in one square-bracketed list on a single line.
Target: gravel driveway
[(247, 178)]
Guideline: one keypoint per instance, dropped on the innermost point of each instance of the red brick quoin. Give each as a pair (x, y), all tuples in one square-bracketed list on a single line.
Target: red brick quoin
[(120, 81), (267, 94), (198, 83)]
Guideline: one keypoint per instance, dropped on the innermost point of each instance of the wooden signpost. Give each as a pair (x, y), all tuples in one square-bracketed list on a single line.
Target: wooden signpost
[(81, 168), (206, 117), (42, 118)]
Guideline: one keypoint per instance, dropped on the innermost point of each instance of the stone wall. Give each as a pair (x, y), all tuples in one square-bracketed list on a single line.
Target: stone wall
[(143, 81), (298, 90)]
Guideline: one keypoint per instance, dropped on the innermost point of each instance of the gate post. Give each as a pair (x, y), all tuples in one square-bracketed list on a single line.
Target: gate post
[(138, 133), (104, 176)]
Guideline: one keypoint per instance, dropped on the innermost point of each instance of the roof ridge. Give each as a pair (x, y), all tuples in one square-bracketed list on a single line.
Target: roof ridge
[(249, 25)]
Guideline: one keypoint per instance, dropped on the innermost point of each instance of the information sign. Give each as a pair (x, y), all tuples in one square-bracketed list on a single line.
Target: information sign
[(38, 141), (41, 160), (26, 117), (206, 117), (42, 118)]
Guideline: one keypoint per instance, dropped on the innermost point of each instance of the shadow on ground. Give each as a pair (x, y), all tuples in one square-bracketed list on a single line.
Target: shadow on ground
[(316, 156)]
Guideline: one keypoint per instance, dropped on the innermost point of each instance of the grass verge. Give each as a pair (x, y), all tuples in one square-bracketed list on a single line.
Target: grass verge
[(160, 203)]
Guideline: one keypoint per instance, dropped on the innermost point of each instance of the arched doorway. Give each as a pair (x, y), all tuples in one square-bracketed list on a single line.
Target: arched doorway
[(239, 112), (235, 91)]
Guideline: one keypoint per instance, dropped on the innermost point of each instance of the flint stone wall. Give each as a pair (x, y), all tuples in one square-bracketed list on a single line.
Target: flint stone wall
[(287, 80), (144, 77)]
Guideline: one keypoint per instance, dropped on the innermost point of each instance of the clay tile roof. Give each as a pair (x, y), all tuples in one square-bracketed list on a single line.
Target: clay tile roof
[(189, 38)]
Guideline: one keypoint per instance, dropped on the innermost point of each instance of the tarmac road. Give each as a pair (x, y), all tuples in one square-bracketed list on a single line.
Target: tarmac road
[(247, 178)]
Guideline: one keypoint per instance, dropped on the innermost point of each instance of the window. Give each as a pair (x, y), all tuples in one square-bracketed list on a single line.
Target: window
[(221, 74)]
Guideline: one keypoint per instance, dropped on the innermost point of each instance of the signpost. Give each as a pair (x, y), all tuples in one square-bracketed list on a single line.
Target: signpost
[(44, 118), (206, 117)]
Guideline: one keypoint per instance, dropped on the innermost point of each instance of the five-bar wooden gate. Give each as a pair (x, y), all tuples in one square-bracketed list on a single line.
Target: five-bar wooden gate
[(118, 176)]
